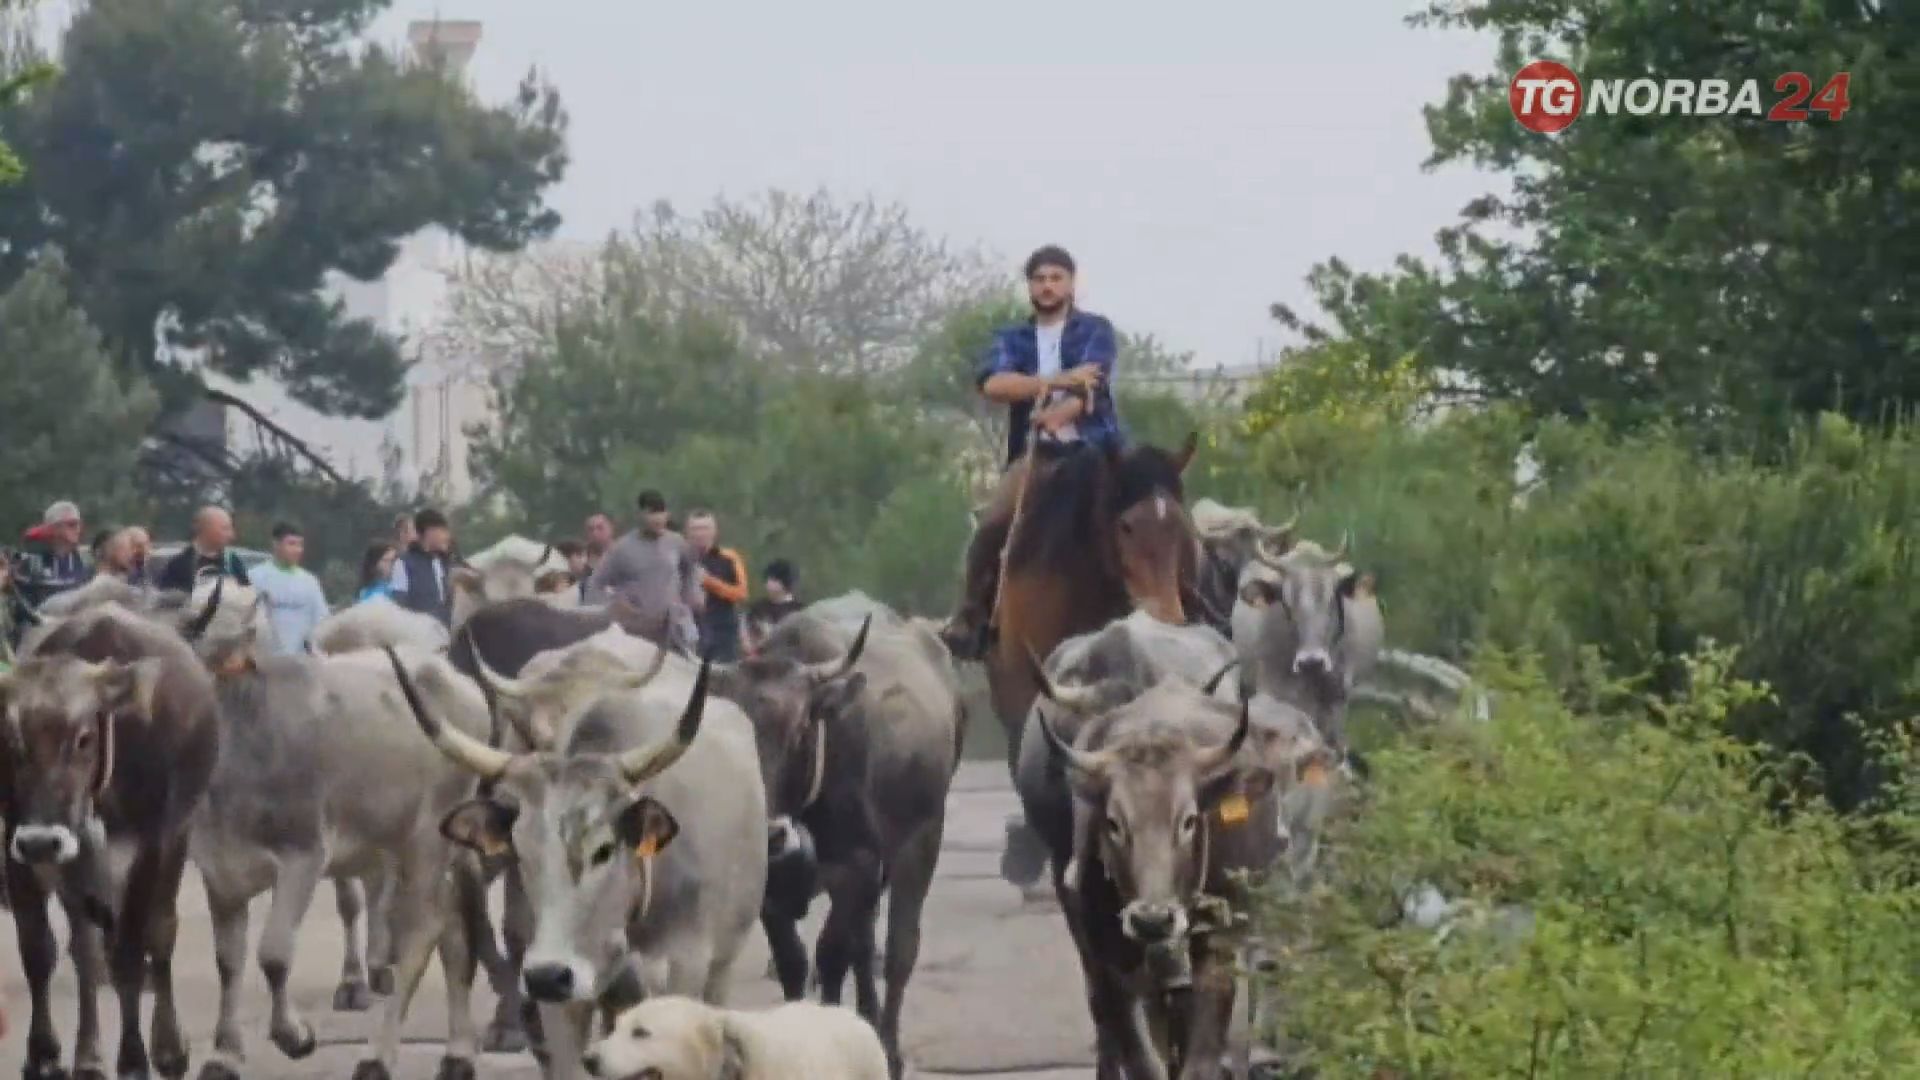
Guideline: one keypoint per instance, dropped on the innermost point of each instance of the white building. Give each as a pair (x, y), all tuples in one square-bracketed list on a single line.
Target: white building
[(444, 394)]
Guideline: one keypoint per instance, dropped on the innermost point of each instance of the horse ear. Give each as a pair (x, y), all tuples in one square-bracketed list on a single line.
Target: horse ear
[(1185, 457)]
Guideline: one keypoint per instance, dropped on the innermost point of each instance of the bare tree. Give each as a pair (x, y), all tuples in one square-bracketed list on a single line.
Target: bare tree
[(816, 283), (501, 308)]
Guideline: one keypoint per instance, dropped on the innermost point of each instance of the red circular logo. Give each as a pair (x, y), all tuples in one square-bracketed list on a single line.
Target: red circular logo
[(1545, 96)]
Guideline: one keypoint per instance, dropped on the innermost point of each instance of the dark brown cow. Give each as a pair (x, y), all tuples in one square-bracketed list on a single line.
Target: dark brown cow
[(112, 732)]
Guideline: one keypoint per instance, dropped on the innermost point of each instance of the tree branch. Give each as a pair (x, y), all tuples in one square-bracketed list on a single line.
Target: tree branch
[(221, 397)]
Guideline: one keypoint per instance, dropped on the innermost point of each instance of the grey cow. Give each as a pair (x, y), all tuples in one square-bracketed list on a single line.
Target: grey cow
[(322, 775), (632, 836), (1307, 625), (859, 740)]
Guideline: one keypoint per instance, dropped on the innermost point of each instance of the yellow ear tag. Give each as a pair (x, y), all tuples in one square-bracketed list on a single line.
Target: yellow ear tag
[(1315, 775), (1234, 809), (647, 848), (491, 847)]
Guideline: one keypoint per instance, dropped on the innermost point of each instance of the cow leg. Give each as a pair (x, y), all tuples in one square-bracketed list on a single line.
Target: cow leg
[(379, 893), (912, 876), (127, 955), (789, 953), (1209, 1014), (846, 940), (170, 1056), (228, 913), (38, 953), (293, 889), (417, 921), (87, 944), (565, 1028), (508, 1033), (458, 963), (353, 994)]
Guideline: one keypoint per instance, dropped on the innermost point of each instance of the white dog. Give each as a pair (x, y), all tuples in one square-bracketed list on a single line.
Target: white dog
[(680, 1038)]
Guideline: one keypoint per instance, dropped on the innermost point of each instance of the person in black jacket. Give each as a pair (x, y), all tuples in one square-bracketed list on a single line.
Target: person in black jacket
[(207, 553), (420, 576)]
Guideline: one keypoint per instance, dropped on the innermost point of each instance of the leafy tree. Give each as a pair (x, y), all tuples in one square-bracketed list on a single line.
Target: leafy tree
[(206, 163), (631, 378), (1710, 270), (73, 424)]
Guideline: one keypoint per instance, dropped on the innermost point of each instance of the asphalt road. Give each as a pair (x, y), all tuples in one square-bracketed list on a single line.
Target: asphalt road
[(997, 992)]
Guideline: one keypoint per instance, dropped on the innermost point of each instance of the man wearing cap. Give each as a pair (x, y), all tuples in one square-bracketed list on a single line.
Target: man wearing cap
[(1067, 354), (61, 565), (653, 569)]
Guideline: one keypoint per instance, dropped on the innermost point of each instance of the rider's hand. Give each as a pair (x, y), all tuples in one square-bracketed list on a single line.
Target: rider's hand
[(1084, 377)]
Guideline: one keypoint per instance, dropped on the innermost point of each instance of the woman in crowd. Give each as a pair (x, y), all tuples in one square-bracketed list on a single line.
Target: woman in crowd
[(376, 572)]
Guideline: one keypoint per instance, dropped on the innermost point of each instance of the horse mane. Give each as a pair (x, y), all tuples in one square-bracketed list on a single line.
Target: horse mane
[(1068, 502)]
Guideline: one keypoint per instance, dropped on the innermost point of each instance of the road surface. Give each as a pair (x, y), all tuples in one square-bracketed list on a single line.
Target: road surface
[(997, 993)]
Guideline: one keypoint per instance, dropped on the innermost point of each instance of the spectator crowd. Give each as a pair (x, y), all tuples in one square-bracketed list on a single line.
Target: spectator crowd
[(659, 565)]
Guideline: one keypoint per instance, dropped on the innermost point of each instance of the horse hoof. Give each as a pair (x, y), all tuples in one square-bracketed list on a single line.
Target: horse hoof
[(381, 980), (352, 997), (296, 1043), (503, 1039), (371, 1070), (453, 1068), (218, 1070)]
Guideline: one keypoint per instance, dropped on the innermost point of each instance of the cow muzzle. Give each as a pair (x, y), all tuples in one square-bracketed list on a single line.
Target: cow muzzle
[(1312, 662), (45, 845), (554, 984), (1151, 924)]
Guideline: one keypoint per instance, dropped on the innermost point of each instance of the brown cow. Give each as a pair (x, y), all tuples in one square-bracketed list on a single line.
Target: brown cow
[(112, 732)]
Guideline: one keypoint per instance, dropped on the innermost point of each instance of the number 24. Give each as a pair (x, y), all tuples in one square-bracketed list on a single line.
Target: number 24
[(1832, 98)]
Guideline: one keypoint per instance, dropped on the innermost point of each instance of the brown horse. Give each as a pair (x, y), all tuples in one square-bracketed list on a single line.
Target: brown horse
[(1099, 535)]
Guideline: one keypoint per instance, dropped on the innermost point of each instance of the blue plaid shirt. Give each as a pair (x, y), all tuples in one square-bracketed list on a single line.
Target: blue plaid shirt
[(1086, 339)]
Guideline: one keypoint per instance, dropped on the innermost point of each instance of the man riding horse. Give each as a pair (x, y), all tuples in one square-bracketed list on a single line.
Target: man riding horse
[(1054, 373)]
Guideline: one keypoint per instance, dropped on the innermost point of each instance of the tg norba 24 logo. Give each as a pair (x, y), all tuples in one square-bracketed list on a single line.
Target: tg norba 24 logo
[(1547, 97)]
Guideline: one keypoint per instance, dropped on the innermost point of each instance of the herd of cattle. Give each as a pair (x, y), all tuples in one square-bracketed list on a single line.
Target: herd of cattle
[(643, 809)]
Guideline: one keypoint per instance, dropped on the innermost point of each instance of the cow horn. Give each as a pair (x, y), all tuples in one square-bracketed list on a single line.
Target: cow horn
[(1078, 698), (1213, 684), (461, 748), (645, 762), (545, 554), (828, 670), (1079, 760), (1218, 757), (1346, 541), (205, 619), (491, 679), (1282, 534), (653, 670)]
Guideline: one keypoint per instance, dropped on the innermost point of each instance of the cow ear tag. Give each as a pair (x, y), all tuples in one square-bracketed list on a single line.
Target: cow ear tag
[(1315, 775), (1234, 809), (647, 848)]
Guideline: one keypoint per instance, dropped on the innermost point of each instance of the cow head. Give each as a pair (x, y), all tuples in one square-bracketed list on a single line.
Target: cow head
[(581, 832), (794, 707), (1305, 603), (1145, 798), (556, 682), (1152, 536), (504, 578), (60, 717)]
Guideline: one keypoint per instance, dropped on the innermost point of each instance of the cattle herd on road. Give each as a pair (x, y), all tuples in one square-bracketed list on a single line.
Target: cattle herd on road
[(642, 810)]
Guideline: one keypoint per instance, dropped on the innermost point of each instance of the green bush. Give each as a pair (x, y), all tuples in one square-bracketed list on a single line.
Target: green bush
[(1692, 912)]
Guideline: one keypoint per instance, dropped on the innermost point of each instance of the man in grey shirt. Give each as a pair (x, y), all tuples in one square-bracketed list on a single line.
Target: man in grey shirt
[(654, 570)]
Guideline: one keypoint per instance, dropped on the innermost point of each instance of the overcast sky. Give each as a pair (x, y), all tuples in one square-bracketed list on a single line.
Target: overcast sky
[(1197, 164)]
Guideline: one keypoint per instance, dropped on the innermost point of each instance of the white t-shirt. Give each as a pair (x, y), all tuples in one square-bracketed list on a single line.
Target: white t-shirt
[(1048, 339)]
